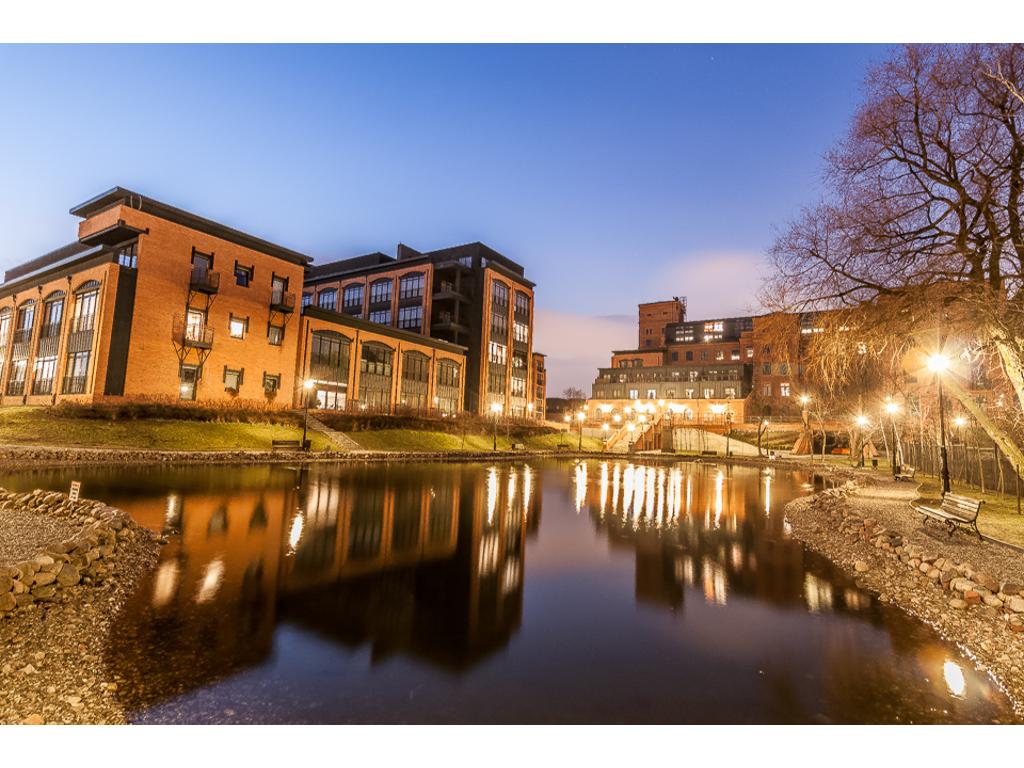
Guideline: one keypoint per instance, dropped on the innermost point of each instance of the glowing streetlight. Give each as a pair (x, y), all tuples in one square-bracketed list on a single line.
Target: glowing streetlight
[(581, 417), (959, 422), (307, 388), (496, 409), (805, 400), (861, 420), (938, 363)]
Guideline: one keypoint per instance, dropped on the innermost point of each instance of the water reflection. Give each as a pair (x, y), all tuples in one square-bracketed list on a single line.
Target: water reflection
[(405, 592)]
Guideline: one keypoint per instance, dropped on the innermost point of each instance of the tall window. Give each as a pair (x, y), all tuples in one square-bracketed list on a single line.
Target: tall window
[(53, 311), (521, 333), (5, 329), (411, 318), (448, 372), (352, 299), (522, 307), (410, 286), (85, 310), (23, 322), (327, 299), (375, 376), (380, 291), (415, 380), (381, 316), (188, 378), (128, 256), (76, 372), (307, 299), (42, 376), (329, 357)]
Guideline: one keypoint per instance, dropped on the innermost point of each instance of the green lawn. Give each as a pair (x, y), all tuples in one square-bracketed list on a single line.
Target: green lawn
[(998, 517), (36, 426), (422, 440)]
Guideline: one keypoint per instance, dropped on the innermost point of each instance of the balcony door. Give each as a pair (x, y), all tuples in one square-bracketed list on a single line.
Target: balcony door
[(195, 322)]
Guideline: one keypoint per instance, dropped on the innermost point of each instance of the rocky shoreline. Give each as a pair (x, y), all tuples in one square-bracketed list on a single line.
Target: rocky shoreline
[(57, 608), (971, 592)]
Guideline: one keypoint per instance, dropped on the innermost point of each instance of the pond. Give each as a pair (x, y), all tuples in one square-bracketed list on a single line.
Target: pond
[(547, 591)]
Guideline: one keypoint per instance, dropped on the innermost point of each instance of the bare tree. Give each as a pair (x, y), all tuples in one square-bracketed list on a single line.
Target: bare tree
[(918, 245)]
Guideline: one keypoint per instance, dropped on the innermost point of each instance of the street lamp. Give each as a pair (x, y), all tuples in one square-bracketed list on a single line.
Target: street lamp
[(581, 417), (496, 410), (307, 387), (630, 428), (892, 408), (938, 363), (861, 421), (604, 431)]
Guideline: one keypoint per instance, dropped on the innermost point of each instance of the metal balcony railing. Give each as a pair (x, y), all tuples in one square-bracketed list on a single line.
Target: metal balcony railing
[(73, 385), (198, 335), (204, 280), (282, 301)]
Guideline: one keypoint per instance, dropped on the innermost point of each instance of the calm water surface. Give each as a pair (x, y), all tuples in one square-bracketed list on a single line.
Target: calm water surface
[(543, 591)]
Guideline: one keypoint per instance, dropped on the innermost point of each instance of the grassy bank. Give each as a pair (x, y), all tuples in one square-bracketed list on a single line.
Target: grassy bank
[(423, 440), (998, 517), (42, 426)]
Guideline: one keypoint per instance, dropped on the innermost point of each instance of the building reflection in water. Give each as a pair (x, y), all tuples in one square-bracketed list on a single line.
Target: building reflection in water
[(424, 561), (691, 527)]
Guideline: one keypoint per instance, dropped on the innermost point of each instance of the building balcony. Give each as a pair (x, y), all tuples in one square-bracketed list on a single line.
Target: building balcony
[(282, 301), (194, 335), (446, 321), (447, 291), (204, 280)]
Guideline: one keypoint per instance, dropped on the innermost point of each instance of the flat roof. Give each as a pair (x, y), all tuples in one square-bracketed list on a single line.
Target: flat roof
[(120, 195)]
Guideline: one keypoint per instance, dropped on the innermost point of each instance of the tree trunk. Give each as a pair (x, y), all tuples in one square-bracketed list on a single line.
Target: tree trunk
[(1001, 438)]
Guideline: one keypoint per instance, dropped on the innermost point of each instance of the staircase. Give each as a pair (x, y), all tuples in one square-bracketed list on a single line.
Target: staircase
[(341, 441)]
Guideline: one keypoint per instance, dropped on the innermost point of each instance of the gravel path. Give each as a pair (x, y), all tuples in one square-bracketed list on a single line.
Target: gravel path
[(52, 666), (26, 532)]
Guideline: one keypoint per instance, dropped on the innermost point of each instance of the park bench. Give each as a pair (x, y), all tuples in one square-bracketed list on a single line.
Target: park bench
[(955, 511), (518, 447), (285, 445), (561, 447), (906, 473), (709, 453)]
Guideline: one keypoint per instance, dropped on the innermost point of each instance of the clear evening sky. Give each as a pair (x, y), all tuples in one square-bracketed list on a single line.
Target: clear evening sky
[(614, 174)]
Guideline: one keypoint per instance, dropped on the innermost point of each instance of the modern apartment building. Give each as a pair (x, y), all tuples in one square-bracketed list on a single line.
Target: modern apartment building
[(469, 295), (540, 387)]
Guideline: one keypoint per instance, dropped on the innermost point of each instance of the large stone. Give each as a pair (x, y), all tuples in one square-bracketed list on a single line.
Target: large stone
[(7, 602), (6, 582), (1016, 604), (43, 578), (43, 560), (68, 575), (972, 597), (956, 602), (986, 581), (992, 601), (861, 567), (46, 592), (1011, 588)]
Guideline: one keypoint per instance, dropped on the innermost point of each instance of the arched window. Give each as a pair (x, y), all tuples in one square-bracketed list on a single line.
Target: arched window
[(410, 286), (447, 386), (328, 299), (329, 361), (415, 380), (375, 366)]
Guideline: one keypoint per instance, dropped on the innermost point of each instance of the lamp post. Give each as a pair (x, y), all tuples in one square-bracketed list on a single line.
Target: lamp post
[(496, 410), (568, 420), (604, 431), (307, 387), (861, 421), (805, 417), (630, 428), (892, 409), (937, 364), (580, 417)]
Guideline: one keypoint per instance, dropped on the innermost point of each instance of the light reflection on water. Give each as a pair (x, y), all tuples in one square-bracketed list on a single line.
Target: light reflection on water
[(548, 591)]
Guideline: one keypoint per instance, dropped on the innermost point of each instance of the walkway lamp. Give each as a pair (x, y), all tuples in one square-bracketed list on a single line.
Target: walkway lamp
[(862, 422), (938, 363), (496, 411), (307, 389), (604, 431), (581, 417), (892, 408), (630, 429)]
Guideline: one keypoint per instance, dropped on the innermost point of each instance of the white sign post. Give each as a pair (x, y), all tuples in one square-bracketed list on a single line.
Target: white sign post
[(76, 486)]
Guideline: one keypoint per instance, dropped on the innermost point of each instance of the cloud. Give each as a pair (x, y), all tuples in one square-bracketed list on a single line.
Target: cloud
[(577, 345), (715, 283)]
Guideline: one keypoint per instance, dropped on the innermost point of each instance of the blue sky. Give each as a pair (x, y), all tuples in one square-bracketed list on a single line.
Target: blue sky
[(614, 174)]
